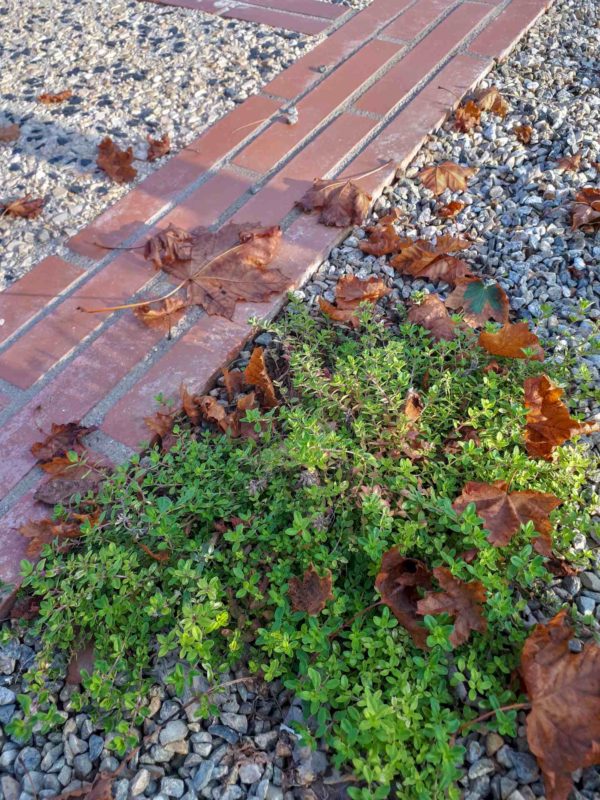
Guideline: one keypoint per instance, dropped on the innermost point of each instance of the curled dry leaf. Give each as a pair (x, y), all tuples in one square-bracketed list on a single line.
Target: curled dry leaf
[(9, 133), (491, 100), (189, 403), (346, 316), (569, 163), (161, 424), (232, 423), (433, 315), (523, 133), (115, 162), (45, 531), (256, 374), (446, 175), (467, 116), (169, 246), (157, 148), (398, 582), (25, 207), (340, 202), (586, 208), (413, 406), (234, 382), (460, 600), (504, 512), (62, 438), (229, 266), (311, 592), (50, 99), (510, 342), (422, 259), (383, 238), (350, 292), (163, 317), (479, 302), (563, 726), (549, 423), (450, 210)]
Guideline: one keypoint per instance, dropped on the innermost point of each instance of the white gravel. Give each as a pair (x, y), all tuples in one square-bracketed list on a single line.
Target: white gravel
[(134, 69)]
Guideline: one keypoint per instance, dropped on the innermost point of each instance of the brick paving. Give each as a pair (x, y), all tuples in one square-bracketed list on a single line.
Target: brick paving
[(368, 94)]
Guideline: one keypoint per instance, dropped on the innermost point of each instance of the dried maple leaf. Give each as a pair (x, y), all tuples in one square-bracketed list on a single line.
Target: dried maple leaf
[(467, 116), (341, 202), (479, 301), (523, 133), (460, 600), (163, 317), (24, 207), (504, 512), (157, 148), (49, 99), (413, 406), (383, 237), (99, 789), (446, 175), (214, 412), (563, 726), (311, 592), (346, 316), (234, 382), (9, 133), (350, 292), (423, 259), (45, 531), (189, 403), (256, 374), (62, 438), (169, 246), (586, 207), (398, 582), (491, 100), (161, 424), (115, 162), (450, 210), (569, 163), (229, 266), (433, 315), (511, 340), (549, 423)]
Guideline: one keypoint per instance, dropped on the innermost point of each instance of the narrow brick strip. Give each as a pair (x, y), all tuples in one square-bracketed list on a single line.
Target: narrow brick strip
[(417, 18), (26, 298), (498, 38), (311, 8), (279, 19)]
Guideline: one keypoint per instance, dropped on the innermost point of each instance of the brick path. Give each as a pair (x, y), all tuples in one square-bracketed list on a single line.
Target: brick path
[(370, 92)]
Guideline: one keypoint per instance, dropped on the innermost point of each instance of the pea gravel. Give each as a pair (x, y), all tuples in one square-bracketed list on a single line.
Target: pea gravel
[(135, 69)]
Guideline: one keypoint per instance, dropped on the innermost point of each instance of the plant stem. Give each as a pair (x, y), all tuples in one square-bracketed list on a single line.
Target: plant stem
[(355, 617), (482, 717)]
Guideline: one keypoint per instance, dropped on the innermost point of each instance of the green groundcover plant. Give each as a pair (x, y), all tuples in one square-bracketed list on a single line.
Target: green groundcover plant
[(327, 483)]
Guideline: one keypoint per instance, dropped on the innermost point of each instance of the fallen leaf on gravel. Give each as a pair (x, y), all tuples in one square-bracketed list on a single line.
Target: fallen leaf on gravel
[(214, 412), (504, 512), (491, 100), (350, 292), (256, 374), (311, 592), (49, 99), (169, 246), (467, 116), (82, 659), (383, 237), (446, 175), (549, 423), (460, 600), (586, 207), (423, 259), (100, 789), (232, 423), (341, 203), (161, 317), (433, 315), (189, 403), (115, 162), (479, 302), (345, 316), (23, 207), (45, 531), (413, 406), (398, 582), (523, 133), (9, 133), (569, 163), (228, 266), (234, 382), (511, 340), (62, 438), (450, 210), (563, 726), (157, 148)]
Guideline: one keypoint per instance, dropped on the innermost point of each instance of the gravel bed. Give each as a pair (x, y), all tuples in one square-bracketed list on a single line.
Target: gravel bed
[(135, 69)]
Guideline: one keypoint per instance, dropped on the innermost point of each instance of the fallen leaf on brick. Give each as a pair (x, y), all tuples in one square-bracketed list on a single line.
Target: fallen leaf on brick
[(163, 317), (340, 203), (45, 531), (62, 438), (116, 163), (169, 246)]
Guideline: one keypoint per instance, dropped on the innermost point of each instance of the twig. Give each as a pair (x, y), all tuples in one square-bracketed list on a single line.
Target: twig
[(482, 717), (354, 618)]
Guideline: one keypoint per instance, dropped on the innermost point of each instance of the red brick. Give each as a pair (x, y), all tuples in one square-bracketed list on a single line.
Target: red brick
[(400, 140), (273, 144), (147, 199), (277, 197), (312, 8), (278, 19), (389, 91), (501, 35), (72, 393), (418, 17), (65, 327), (24, 299), (336, 48)]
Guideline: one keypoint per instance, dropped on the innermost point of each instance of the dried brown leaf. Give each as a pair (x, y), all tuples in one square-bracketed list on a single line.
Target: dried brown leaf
[(423, 259), (62, 438), (256, 374), (467, 116), (523, 133), (50, 99), (549, 423), (569, 163), (169, 246), (450, 210), (398, 582), (491, 100), (446, 175), (116, 163), (511, 340), (311, 592), (341, 203), (163, 317), (24, 207), (586, 207), (460, 600), (157, 148), (433, 315), (45, 531)]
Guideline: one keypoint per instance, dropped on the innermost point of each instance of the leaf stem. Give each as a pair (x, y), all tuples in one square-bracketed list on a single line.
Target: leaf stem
[(361, 175), (482, 717)]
